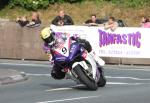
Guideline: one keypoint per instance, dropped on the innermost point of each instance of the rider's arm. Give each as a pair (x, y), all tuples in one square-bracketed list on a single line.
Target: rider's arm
[(46, 48)]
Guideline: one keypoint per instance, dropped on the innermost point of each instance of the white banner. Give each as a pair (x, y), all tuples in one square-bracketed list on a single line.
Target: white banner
[(128, 42)]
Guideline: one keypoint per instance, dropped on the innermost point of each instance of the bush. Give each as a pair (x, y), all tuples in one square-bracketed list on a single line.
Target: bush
[(72, 1), (40, 4), (37, 4), (30, 4)]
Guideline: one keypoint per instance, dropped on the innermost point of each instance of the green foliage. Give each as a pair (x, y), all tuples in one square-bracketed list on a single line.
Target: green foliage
[(41, 4), (37, 4), (62, 1), (138, 3), (73, 1), (30, 4), (131, 3)]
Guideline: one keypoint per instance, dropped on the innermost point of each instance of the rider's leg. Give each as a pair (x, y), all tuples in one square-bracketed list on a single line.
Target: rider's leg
[(88, 47), (56, 72)]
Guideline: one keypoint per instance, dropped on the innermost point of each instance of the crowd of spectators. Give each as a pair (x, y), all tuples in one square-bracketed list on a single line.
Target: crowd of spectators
[(64, 19), (110, 23)]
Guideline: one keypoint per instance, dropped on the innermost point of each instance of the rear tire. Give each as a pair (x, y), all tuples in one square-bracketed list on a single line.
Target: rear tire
[(91, 84)]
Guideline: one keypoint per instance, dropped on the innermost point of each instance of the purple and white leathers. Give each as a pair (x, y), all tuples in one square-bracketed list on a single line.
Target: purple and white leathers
[(69, 54)]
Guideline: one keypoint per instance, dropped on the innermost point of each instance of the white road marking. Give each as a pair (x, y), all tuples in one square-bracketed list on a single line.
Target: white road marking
[(140, 68), (123, 83), (25, 64), (133, 78), (58, 89), (70, 99), (61, 89), (122, 68), (108, 83), (46, 75)]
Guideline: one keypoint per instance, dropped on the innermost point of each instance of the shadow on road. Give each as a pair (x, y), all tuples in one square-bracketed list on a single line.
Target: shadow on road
[(66, 85)]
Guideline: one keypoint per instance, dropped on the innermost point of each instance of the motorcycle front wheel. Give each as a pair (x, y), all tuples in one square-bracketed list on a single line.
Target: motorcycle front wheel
[(84, 78), (102, 79)]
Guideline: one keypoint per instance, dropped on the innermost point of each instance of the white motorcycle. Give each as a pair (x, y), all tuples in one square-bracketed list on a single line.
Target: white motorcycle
[(79, 65)]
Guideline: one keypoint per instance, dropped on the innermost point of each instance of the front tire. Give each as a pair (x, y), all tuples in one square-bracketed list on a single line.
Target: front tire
[(102, 80), (91, 84)]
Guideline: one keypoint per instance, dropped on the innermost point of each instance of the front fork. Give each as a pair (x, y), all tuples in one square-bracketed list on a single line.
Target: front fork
[(91, 60), (97, 69), (98, 60)]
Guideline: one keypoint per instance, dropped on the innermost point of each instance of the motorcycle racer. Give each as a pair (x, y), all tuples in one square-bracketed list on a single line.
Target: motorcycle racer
[(57, 42)]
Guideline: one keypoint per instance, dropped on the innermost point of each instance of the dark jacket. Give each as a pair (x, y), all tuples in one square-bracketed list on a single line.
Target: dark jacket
[(98, 21), (67, 20), (23, 23)]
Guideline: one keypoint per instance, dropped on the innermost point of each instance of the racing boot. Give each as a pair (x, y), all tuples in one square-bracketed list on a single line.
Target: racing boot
[(56, 73)]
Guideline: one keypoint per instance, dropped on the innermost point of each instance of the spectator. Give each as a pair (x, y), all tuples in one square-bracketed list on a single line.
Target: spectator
[(23, 21), (35, 22), (121, 23), (111, 24), (93, 21), (62, 19), (145, 22)]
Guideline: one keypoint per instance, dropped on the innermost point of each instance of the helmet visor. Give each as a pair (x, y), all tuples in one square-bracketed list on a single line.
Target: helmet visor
[(49, 39)]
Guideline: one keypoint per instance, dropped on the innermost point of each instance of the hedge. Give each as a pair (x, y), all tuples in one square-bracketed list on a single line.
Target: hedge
[(41, 4), (37, 4)]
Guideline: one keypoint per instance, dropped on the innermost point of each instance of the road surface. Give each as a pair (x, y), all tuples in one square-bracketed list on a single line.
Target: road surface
[(125, 84)]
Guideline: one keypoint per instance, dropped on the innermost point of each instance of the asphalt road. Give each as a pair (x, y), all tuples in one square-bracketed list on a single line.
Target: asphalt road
[(125, 84)]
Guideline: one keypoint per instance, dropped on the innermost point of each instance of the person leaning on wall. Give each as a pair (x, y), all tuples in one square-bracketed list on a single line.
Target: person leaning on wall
[(111, 24), (145, 22), (94, 21), (144, 19), (35, 20), (62, 19), (22, 21)]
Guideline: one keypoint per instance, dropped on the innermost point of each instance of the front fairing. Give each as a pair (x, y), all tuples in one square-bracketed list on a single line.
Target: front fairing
[(74, 51), (65, 49), (59, 57)]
